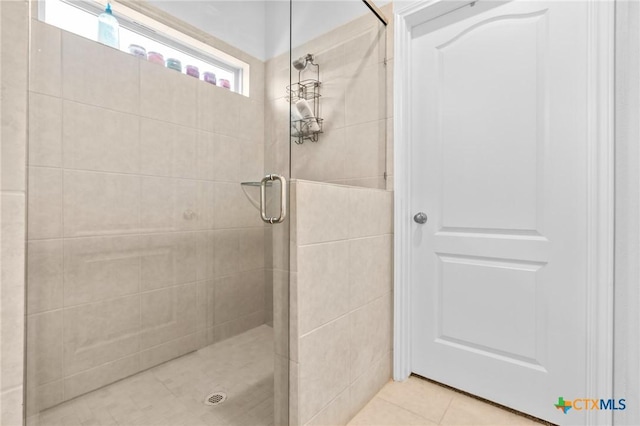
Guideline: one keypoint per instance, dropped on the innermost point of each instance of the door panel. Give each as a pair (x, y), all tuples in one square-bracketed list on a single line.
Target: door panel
[(471, 315), (499, 166), (509, 126)]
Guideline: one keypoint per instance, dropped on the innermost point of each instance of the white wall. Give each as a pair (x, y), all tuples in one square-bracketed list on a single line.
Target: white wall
[(311, 18), (240, 23), (261, 28), (627, 236)]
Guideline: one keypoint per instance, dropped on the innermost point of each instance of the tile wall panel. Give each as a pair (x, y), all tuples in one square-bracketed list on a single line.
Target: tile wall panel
[(141, 246)]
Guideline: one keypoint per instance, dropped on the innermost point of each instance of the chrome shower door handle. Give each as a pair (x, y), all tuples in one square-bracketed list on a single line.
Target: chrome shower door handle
[(283, 199)]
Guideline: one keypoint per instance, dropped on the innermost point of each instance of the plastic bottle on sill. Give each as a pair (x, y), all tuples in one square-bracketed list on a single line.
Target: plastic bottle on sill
[(108, 28)]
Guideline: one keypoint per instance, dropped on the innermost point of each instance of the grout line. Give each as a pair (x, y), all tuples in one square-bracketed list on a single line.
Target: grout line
[(373, 363), (138, 114), (14, 192), (11, 389), (317, 413), (141, 292), (349, 312), (344, 185), (146, 234), (139, 175), (137, 353), (366, 237), (407, 409), (140, 258), (62, 211), (446, 410)]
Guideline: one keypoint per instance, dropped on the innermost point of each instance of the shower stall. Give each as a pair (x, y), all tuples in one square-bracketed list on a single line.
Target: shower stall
[(204, 255)]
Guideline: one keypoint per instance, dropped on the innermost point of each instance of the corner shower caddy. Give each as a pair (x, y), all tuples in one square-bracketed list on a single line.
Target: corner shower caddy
[(308, 89)]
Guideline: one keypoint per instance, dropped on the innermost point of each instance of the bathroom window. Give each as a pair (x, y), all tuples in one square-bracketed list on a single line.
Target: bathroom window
[(81, 17)]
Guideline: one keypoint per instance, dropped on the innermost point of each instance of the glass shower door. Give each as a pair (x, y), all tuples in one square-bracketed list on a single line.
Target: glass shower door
[(157, 292)]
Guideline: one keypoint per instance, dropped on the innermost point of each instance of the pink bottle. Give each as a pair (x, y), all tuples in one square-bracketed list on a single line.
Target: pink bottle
[(156, 58)]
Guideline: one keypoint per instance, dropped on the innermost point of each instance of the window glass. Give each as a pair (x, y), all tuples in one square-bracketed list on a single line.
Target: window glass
[(78, 20)]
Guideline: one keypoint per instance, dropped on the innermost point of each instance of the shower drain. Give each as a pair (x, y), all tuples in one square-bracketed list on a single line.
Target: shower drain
[(215, 398)]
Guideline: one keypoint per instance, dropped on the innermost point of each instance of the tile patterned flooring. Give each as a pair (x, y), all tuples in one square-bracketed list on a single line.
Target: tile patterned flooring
[(419, 402), (172, 393)]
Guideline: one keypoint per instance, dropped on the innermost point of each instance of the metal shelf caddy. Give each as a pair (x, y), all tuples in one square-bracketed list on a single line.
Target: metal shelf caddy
[(308, 89)]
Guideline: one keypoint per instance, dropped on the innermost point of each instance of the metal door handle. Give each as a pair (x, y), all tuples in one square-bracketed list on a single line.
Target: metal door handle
[(283, 199), (420, 218)]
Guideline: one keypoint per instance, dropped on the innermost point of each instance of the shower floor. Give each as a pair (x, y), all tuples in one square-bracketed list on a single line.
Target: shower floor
[(173, 393)]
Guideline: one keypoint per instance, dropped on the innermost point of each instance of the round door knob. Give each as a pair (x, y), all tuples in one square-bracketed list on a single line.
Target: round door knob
[(420, 218)]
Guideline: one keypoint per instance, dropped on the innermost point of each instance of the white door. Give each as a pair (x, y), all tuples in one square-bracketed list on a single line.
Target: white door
[(499, 166)]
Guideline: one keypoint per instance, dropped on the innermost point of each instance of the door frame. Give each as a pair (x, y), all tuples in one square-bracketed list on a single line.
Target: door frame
[(600, 214)]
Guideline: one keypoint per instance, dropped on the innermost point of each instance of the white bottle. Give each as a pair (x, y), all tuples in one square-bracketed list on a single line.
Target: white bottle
[(305, 111), (108, 28)]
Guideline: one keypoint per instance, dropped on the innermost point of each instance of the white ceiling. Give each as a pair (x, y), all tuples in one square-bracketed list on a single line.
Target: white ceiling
[(261, 27)]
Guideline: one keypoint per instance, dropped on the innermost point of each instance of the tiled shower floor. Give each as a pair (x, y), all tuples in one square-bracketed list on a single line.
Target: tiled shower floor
[(172, 394)]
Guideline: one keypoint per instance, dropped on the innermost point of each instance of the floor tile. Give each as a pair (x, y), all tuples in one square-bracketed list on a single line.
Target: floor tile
[(173, 393), (465, 410), (419, 396), (379, 412), (418, 401)]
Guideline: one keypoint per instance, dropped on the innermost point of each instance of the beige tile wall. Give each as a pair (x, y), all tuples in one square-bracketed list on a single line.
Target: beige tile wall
[(341, 300), (13, 138), (141, 243), (356, 105)]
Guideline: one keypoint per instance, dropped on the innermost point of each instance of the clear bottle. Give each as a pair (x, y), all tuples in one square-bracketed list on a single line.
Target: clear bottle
[(108, 28)]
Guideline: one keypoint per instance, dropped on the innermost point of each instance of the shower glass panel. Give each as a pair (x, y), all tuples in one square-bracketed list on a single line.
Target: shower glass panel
[(343, 46), (156, 294), (158, 274)]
